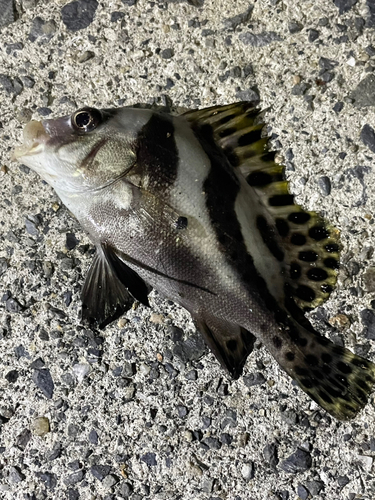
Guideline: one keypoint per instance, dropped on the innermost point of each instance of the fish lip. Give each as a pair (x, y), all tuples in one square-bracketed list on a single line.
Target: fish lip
[(35, 137)]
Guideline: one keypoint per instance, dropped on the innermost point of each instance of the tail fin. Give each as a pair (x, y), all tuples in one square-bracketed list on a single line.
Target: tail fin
[(334, 377)]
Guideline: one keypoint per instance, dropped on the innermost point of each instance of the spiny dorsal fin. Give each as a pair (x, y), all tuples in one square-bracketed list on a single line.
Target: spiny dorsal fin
[(311, 245)]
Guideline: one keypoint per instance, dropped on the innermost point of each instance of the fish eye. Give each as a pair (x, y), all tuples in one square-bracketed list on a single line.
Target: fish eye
[(86, 119)]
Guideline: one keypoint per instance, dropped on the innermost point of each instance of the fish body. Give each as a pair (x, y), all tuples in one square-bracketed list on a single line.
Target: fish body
[(194, 207)]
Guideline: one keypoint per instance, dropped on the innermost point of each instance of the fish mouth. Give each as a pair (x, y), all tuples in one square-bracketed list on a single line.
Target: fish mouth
[(34, 140)]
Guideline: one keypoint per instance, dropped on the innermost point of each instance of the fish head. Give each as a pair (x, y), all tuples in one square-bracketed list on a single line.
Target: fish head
[(86, 151)]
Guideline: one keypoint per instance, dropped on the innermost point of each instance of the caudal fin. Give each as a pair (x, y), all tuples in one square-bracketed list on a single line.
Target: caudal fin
[(334, 377)]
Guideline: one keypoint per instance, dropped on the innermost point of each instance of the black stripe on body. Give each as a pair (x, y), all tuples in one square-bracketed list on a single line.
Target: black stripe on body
[(221, 188), (157, 153)]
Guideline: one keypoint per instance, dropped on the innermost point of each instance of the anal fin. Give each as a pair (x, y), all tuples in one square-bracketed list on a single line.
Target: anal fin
[(230, 343)]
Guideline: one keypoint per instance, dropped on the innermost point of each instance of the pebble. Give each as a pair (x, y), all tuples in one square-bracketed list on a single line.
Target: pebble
[(149, 459), (344, 5), (254, 379), (11, 85), (324, 184), (300, 88), (109, 481), (100, 471), (7, 12), (40, 426), (15, 475), (314, 487), (71, 241), (12, 376), (295, 27), (235, 21), (368, 136), (338, 107), (247, 95), (368, 279), (248, 471), (366, 462), (74, 478), (48, 478), (302, 492), (41, 28), (23, 438), (364, 93), (313, 35), (211, 443), (126, 489), (93, 437), (157, 319), (167, 53), (368, 321), (339, 321), (299, 461), (43, 380), (86, 56), (260, 40), (79, 15), (270, 454), (190, 349)]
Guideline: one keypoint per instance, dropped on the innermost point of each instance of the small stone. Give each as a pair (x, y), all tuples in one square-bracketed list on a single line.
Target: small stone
[(344, 5), (368, 321), (327, 64), (368, 137), (43, 380), (302, 492), (369, 279), (149, 459), (226, 438), (157, 319), (80, 371), (167, 53), (116, 16), (270, 454), (314, 487), (343, 481), (86, 56), (339, 321), (299, 461), (182, 411), (366, 462), (15, 475), (254, 379), (364, 93), (313, 35), (324, 184), (12, 376), (259, 40), (338, 107), (71, 241), (235, 21), (211, 443), (11, 86), (300, 88), (79, 15), (47, 268), (40, 426), (100, 471), (247, 95), (49, 479), (248, 471), (23, 438), (109, 481), (7, 12), (31, 227), (93, 437), (295, 27), (126, 490), (74, 478), (43, 29), (129, 3)]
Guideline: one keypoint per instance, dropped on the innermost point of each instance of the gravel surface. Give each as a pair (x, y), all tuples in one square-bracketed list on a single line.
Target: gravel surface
[(142, 409)]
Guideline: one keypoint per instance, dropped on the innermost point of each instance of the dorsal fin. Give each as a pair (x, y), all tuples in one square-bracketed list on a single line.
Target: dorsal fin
[(311, 245)]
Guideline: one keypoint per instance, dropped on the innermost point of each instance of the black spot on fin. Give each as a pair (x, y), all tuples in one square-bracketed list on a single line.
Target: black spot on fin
[(110, 288), (230, 343), (338, 380)]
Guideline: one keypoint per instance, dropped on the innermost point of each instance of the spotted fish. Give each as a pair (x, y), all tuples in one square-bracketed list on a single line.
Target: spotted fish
[(195, 207)]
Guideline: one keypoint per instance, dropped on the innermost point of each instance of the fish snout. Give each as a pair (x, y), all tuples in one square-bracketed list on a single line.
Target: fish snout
[(34, 139)]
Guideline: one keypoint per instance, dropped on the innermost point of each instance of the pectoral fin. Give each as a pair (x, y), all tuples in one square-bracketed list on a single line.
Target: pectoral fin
[(110, 288), (230, 343)]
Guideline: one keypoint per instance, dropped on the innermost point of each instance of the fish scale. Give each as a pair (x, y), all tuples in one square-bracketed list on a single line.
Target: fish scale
[(196, 207)]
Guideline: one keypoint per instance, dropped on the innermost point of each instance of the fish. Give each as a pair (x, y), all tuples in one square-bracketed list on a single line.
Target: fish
[(195, 206)]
